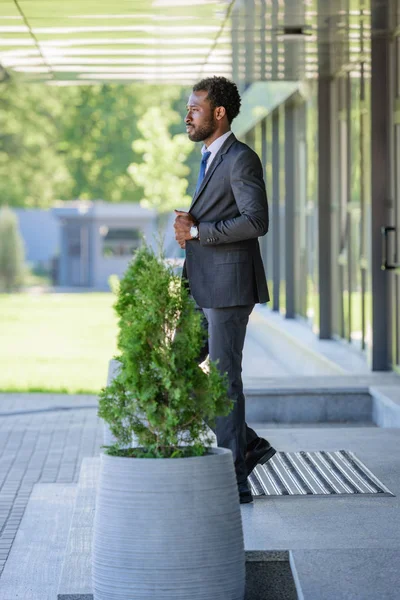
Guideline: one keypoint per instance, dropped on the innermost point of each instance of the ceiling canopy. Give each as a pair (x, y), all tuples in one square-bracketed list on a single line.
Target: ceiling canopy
[(177, 41)]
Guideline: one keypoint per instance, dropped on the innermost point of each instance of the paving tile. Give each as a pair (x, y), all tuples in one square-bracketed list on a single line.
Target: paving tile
[(41, 447)]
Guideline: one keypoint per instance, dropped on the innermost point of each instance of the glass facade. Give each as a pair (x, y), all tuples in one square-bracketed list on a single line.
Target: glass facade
[(341, 56), (393, 234)]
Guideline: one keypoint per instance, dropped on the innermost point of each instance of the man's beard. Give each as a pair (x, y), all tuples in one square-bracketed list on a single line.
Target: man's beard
[(203, 132)]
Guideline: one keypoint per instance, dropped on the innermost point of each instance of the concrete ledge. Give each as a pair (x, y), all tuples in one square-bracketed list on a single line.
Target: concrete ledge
[(374, 399), (308, 406), (321, 383), (386, 406), (76, 575), (33, 568)]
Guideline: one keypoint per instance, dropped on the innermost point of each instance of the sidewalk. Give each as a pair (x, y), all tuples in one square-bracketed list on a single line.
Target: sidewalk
[(340, 548), (44, 437)]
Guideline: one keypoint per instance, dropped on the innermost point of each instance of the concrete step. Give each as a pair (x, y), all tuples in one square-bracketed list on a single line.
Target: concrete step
[(348, 574), (373, 399), (304, 548), (33, 568), (76, 575), (319, 399), (309, 405)]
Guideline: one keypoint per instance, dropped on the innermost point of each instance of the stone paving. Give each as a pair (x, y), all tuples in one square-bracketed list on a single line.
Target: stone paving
[(43, 439)]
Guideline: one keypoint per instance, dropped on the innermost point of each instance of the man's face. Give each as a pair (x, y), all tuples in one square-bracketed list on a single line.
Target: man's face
[(200, 120)]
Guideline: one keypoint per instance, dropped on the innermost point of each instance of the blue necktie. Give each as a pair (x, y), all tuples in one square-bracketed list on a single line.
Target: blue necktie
[(203, 166)]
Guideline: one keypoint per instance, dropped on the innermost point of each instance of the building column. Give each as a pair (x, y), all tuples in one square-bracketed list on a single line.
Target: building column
[(290, 178), (326, 152), (276, 274), (324, 207), (380, 180)]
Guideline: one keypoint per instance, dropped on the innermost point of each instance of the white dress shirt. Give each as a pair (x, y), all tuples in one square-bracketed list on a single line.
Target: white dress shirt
[(214, 147)]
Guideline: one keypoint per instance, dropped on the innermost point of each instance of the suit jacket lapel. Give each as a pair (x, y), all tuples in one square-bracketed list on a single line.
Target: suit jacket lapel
[(217, 161)]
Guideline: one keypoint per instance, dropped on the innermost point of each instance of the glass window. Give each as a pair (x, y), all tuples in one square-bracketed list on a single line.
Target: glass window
[(120, 241), (312, 210)]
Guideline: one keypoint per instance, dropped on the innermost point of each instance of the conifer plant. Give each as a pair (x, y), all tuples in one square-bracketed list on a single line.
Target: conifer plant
[(160, 394)]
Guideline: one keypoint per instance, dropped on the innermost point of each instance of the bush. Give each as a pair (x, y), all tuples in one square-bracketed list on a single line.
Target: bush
[(160, 393), (11, 252)]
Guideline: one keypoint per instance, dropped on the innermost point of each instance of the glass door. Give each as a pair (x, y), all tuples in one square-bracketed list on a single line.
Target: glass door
[(392, 234)]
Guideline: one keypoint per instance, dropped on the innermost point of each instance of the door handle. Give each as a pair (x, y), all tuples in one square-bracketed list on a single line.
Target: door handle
[(386, 265)]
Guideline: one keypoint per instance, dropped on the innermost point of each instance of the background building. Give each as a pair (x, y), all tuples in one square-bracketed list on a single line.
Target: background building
[(40, 231), (98, 239)]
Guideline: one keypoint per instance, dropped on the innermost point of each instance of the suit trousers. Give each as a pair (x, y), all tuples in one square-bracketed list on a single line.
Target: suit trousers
[(226, 334)]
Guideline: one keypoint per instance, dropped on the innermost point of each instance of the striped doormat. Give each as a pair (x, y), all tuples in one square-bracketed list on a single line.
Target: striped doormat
[(315, 474)]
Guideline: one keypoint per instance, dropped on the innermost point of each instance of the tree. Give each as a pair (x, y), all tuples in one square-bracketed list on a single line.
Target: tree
[(98, 129), (160, 394), (11, 251), (33, 172), (100, 124), (76, 142), (162, 171)]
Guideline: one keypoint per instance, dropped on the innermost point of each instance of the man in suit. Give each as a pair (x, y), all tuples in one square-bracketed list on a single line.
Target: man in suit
[(223, 263)]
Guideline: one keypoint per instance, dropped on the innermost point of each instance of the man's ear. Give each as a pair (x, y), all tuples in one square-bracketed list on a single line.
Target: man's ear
[(220, 112)]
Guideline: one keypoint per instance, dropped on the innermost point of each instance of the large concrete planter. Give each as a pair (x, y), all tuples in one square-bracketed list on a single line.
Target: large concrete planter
[(168, 529)]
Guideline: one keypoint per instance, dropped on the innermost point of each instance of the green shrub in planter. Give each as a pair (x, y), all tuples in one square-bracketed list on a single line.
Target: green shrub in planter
[(160, 394)]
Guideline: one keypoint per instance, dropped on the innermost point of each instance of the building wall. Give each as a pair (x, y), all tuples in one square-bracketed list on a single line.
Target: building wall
[(40, 231), (104, 266)]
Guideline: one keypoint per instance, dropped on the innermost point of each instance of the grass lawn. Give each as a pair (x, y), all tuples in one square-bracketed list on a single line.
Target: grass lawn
[(56, 342)]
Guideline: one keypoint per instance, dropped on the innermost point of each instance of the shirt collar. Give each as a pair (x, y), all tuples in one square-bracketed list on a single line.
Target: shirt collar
[(216, 145)]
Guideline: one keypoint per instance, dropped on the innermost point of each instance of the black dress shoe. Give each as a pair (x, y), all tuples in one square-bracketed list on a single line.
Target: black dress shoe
[(245, 495), (259, 454)]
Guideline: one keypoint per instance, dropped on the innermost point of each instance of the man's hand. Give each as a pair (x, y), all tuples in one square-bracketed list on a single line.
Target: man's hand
[(182, 225)]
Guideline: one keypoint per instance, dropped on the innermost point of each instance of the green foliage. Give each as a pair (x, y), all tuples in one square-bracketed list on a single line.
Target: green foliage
[(160, 393), (11, 251), (162, 171), (76, 142), (33, 172), (98, 128)]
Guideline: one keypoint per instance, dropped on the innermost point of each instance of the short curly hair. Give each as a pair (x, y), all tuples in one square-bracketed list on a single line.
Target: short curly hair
[(221, 92)]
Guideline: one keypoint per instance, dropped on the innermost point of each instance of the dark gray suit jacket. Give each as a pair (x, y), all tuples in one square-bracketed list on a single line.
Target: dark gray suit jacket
[(224, 268)]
